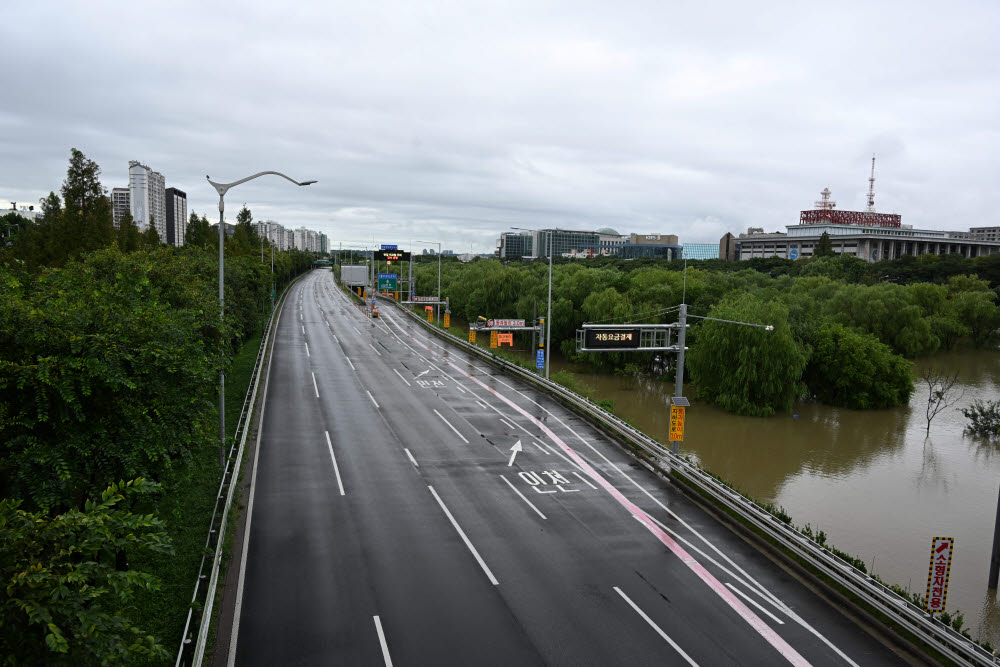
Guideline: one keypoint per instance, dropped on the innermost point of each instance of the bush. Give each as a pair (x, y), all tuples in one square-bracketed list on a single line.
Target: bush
[(984, 418)]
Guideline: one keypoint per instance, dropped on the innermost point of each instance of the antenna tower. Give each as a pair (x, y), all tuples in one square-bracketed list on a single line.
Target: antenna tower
[(825, 203), (871, 188)]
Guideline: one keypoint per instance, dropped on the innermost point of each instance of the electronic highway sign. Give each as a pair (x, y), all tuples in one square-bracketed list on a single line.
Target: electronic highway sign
[(612, 338), (392, 255)]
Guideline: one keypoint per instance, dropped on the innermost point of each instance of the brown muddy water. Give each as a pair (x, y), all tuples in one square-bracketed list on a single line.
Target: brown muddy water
[(874, 481)]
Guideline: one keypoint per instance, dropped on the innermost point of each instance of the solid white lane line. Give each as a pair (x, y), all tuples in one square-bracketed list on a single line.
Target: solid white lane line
[(371, 397), (401, 377), (335, 339), (376, 351), (754, 603), (508, 424), (515, 490), (544, 451), (412, 460), (315, 386), (336, 468), (465, 539), (307, 350), (450, 426), (349, 363), (656, 627), (584, 480), (241, 580), (381, 641)]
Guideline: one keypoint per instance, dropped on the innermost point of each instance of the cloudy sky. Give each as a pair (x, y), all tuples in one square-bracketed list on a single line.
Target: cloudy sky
[(454, 121)]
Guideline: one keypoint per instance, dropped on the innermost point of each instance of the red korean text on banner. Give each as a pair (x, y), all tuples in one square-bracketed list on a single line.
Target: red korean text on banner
[(942, 549)]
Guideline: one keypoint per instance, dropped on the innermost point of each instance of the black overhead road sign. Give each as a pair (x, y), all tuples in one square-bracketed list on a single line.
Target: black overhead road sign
[(612, 338)]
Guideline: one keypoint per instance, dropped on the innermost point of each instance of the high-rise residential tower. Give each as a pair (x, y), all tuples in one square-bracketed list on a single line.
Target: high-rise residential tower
[(176, 208), (147, 198), (119, 204)]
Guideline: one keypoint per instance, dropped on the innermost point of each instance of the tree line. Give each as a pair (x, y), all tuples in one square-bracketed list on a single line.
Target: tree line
[(111, 344), (844, 329)]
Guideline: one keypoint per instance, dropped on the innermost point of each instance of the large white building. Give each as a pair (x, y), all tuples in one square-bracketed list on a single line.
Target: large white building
[(865, 234), (147, 198)]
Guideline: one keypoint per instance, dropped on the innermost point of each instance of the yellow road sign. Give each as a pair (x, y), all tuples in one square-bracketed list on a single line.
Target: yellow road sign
[(676, 423), (472, 335)]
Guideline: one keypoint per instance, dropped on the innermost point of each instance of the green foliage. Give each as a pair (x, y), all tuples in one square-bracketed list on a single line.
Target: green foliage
[(199, 232), (10, 224), (984, 418), (64, 597), (747, 370), (112, 378), (854, 370)]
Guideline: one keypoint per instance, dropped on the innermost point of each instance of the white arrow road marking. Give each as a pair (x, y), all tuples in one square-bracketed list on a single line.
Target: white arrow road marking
[(423, 374), (514, 450)]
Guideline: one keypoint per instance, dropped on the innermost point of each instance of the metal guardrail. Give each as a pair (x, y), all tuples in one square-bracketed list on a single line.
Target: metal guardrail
[(192, 649), (907, 615)]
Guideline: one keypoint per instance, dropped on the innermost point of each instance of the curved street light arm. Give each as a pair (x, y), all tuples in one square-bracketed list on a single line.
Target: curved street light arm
[(222, 188)]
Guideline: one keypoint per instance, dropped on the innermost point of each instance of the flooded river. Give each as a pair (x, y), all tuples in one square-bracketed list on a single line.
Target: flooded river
[(872, 480)]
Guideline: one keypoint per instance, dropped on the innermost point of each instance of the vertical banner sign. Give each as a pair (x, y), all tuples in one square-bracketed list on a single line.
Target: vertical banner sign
[(447, 320), (937, 579), (676, 423), (472, 335), (540, 359), (493, 339)]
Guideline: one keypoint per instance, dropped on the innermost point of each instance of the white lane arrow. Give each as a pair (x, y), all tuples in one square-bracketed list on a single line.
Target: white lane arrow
[(424, 373), (515, 449)]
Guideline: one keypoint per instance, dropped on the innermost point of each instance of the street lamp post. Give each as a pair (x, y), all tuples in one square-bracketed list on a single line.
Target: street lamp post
[(222, 189), (438, 306), (548, 318)]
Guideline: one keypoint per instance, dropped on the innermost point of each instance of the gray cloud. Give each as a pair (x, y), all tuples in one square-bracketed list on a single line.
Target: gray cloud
[(456, 120)]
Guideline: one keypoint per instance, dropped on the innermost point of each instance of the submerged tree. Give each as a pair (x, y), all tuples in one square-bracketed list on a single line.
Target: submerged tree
[(941, 392), (747, 370)]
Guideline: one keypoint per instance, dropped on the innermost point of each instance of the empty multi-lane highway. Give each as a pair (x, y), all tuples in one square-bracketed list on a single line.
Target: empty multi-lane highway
[(390, 522)]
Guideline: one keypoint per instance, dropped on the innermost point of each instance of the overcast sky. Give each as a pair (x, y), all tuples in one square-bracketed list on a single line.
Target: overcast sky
[(454, 121)]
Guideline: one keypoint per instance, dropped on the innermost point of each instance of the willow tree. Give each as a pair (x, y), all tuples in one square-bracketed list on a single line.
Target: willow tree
[(747, 370)]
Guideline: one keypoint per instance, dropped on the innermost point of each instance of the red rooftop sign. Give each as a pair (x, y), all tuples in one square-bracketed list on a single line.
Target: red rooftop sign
[(833, 216)]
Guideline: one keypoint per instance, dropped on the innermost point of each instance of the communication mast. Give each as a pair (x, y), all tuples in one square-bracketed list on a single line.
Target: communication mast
[(871, 188), (825, 203)]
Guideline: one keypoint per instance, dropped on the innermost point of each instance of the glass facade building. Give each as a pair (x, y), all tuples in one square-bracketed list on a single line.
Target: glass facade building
[(700, 251)]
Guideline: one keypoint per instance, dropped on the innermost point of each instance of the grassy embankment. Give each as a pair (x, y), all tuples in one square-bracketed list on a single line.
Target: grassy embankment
[(186, 507)]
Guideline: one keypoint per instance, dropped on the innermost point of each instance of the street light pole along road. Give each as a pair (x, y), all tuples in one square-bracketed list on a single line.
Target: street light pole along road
[(548, 317), (438, 306), (222, 189)]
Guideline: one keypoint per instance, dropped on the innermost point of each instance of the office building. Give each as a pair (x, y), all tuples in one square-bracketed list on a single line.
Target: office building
[(728, 248), (865, 234), (176, 216), (119, 204), (147, 198), (532, 244)]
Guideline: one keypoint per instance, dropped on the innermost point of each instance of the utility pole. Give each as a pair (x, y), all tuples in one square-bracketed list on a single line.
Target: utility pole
[(995, 553)]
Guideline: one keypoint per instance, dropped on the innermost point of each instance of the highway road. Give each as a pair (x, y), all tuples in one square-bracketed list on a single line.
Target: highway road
[(387, 524)]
